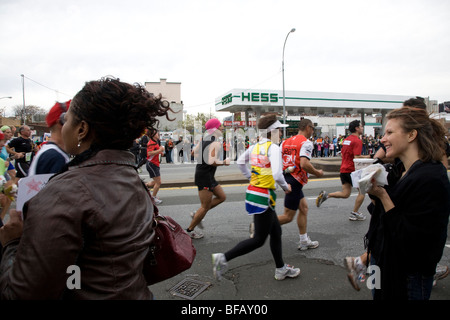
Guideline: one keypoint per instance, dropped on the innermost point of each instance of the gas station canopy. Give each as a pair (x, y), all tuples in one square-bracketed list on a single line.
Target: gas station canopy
[(300, 102)]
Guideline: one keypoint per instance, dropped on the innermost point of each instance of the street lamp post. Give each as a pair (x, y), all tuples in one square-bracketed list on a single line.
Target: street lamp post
[(282, 71), (23, 94)]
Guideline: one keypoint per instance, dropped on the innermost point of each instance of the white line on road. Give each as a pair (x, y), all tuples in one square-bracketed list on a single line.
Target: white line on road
[(351, 195)]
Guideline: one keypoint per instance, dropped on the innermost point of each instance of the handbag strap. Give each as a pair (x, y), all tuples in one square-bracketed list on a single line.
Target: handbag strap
[(155, 208)]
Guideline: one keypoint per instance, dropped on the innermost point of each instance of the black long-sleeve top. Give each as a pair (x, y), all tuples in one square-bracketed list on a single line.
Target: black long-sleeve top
[(411, 237)]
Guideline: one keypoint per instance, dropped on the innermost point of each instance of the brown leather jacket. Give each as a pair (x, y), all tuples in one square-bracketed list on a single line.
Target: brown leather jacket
[(97, 216)]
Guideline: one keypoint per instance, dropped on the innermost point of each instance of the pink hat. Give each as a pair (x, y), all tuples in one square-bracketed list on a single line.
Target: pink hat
[(212, 125)]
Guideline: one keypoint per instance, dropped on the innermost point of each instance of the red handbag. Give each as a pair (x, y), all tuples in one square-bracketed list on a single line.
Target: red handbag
[(171, 251)]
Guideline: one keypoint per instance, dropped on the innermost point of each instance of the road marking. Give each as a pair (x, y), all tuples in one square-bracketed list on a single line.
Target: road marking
[(447, 245), (322, 179), (351, 195)]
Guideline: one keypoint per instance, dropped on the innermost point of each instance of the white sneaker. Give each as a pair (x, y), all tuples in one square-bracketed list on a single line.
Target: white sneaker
[(220, 265), (356, 216), (441, 272), (286, 271), (200, 224), (356, 274), (195, 234), (305, 245)]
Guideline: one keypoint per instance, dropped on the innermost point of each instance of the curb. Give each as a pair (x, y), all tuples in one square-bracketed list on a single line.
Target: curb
[(228, 181)]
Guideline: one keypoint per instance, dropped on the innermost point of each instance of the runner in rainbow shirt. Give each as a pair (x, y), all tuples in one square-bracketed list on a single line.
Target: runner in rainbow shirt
[(266, 172)]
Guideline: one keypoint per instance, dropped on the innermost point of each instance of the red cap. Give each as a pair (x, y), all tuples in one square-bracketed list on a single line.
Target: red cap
[(55, 112)]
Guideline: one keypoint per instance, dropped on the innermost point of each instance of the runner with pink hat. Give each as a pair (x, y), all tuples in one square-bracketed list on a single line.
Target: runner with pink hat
[(211, 194)]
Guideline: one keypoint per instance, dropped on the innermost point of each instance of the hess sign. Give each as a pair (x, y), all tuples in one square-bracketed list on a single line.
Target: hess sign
[(252, 97)]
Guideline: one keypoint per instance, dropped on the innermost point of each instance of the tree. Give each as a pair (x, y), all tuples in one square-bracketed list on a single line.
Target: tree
[(199, 120), (25, 114)]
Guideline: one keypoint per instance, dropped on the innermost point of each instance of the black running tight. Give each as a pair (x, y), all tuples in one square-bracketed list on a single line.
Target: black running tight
[(266, 224)]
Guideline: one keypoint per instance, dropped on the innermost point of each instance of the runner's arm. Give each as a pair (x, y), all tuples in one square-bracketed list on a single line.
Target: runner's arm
[(242, 161)]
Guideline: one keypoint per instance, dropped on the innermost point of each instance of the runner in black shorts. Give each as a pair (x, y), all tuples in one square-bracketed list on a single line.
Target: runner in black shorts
[(351, 149), (292, 200), (346, 178), (153, 170), (204, 173), (208, 158), (22, 148), (296, 152), (154, 150)]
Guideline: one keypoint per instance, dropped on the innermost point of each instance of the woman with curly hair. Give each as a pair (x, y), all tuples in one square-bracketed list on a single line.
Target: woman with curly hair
[(87, 232)]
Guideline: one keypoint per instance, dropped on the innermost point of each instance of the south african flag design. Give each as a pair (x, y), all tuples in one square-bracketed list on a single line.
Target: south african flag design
[(257, 200)]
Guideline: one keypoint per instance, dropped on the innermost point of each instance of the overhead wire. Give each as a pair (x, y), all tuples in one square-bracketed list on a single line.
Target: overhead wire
[(47, 87)]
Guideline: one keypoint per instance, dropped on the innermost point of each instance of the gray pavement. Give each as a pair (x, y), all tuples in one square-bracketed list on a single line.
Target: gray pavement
[(251, 277)]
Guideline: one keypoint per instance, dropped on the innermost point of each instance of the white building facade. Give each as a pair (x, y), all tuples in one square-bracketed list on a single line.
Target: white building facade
[(170, 91)]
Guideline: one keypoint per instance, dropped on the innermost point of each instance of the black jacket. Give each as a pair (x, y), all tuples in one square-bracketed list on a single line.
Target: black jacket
[(410, 238)]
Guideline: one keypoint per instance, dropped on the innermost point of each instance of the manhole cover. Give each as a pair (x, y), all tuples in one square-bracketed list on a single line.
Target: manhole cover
[(189, 288)]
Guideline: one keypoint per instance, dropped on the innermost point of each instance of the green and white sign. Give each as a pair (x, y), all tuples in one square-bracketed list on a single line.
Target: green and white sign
[(251, 97), (306, 102)]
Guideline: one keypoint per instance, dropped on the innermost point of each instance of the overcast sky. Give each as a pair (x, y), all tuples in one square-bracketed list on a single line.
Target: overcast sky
[(380, 47)]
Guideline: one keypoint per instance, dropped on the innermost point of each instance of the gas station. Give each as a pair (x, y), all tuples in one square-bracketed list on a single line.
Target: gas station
[(305, 103)]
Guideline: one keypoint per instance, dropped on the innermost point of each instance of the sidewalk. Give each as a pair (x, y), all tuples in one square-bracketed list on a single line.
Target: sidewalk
[(330, 166)]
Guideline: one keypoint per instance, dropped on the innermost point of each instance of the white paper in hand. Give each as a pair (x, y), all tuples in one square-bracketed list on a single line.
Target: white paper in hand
[(374, 171), (29, 187)]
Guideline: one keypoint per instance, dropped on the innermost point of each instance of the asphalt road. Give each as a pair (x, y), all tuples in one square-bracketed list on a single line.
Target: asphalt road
[(251, 277)]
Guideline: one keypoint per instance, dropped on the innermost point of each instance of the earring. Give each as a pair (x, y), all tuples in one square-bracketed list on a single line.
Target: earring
[(79, 143)]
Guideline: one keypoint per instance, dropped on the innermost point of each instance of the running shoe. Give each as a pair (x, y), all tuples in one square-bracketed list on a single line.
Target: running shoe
[(308, 244), (441, 273), (195, 234), (200, 224), (356, 216), (356, 274), (286, 271), (323, 196), (157, 200), (220, 265)]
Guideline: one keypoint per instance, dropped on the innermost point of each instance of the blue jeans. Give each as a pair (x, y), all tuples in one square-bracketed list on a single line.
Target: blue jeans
[(419, 287)]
